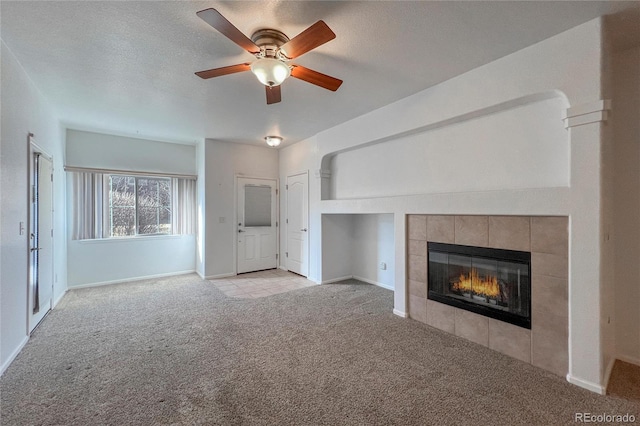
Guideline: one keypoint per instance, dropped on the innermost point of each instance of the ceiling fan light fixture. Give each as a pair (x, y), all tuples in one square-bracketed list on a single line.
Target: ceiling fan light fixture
[(273, 140), (271, 72)]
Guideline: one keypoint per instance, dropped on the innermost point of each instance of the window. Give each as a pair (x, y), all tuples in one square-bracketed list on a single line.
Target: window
[(257, 205), (119, 205), (139, 206)]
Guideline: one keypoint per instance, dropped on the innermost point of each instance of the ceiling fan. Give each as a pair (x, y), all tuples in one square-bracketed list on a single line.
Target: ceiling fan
[(273, 51)]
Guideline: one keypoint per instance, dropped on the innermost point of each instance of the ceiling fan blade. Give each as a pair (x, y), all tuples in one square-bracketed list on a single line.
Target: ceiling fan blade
[(273, 94), (314, 36), (217, 72), (315, 77), (220, 23)]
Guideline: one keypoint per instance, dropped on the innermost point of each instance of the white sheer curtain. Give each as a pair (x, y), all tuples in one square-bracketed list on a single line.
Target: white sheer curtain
[(183, 206), (88, 205)]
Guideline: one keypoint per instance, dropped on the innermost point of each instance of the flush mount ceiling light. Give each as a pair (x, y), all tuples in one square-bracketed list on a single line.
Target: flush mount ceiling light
[(273, 140)]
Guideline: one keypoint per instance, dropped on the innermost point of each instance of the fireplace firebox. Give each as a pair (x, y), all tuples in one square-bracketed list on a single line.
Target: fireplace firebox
[(491, 282)]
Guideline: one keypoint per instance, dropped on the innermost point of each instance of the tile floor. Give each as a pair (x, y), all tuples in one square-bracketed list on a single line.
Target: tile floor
[(260, 284)]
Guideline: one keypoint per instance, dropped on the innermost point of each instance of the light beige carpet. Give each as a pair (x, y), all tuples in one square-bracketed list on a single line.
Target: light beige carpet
[(178, 351), (625, 381)]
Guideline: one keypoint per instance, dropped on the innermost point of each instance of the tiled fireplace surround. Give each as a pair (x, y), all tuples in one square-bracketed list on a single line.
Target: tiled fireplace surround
[(546, 344)]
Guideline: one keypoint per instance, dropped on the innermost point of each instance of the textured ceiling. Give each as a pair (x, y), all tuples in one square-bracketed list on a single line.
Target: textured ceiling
[(128, 67)]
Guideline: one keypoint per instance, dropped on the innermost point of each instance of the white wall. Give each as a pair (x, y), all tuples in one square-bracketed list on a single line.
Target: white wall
[(92, 262), (201, 209), (525, 146), (626, 119), (24, 110), (223, 162), (111, 152), (373, 243), (564, 71), (607, 224), (337, 253), (123, 259)]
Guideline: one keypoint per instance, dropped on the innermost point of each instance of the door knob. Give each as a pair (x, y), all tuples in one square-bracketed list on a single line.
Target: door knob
[(240, 230), (304, 230)]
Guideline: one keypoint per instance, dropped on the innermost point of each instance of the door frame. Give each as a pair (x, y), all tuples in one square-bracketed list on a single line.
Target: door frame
[(286, 228), (235, 217), (34, 148)]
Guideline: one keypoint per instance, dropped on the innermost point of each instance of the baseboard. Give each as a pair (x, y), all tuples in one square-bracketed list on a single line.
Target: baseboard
[(200, 275), (593, 387), (602, 389), (629, 359), (368, 281), (13, 355), (126, 280), (335, 280), (55, 302), (400, 313), (607, 374), (217, 277), (283, 268)]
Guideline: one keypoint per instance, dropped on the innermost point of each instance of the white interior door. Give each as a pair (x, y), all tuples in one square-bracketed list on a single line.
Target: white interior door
[(41, 240), (297, 255), (257, 232)]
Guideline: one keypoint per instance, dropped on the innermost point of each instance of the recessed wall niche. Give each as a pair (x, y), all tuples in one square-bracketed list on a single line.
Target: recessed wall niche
[(519, 144), (545, 345), (360, 246)]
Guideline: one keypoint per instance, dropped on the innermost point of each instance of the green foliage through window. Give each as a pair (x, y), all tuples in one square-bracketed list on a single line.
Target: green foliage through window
[(139, 205)]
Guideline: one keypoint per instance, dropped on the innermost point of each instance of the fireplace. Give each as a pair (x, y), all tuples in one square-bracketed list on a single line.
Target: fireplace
[(491, 282)]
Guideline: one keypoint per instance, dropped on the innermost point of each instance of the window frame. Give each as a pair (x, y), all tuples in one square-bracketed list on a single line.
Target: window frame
[(107, 202)]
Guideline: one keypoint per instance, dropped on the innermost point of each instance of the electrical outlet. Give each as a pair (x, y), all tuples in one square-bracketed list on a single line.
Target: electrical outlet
[(383, 266)]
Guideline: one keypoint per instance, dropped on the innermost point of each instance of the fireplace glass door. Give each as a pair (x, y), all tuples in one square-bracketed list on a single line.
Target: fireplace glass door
[(491, 282)]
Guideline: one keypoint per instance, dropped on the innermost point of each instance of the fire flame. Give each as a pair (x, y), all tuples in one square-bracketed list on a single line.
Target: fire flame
[(472, 283)]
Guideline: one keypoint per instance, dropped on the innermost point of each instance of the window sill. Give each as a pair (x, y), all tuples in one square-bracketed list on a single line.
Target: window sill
[(132, 239)]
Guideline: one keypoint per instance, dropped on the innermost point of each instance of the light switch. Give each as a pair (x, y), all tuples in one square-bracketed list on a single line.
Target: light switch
[(21, 228)]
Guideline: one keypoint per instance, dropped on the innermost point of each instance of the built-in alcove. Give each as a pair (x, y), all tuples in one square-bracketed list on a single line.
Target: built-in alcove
[(545, 344), (361, 246), (519, 144)]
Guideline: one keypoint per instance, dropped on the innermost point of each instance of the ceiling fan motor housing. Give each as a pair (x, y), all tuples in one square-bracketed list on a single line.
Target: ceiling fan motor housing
[(269, 41)]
